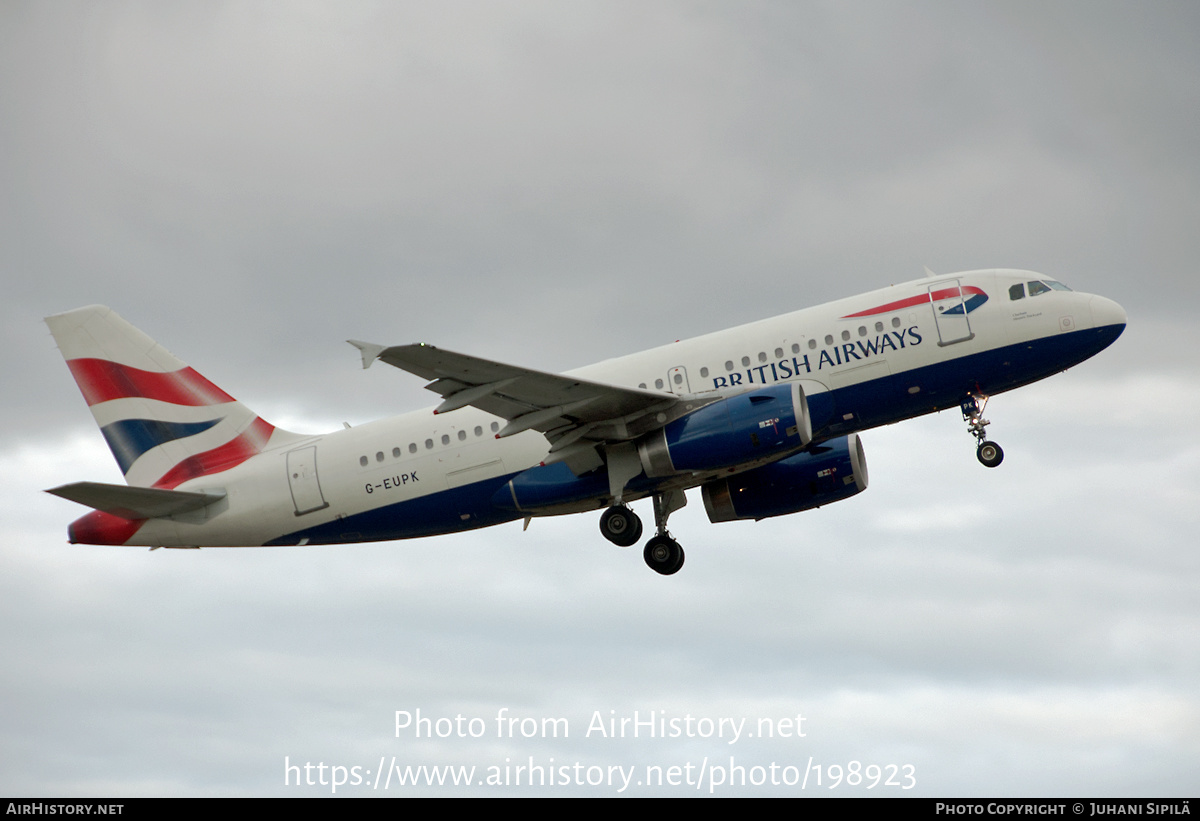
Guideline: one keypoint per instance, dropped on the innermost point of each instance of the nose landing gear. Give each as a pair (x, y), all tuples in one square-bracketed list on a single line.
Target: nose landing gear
[(988, 453)]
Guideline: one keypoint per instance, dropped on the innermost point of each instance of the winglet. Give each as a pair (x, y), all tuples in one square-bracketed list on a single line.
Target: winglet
[(370, 352)]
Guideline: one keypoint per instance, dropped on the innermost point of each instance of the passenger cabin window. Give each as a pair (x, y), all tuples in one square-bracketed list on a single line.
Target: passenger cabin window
[(1017, 291)]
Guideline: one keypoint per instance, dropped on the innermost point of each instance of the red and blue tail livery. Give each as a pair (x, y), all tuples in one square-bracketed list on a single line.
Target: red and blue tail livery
[(764, 420), (164, 423)]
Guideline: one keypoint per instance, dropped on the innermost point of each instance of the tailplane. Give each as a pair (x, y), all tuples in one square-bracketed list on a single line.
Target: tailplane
[(163, 421)]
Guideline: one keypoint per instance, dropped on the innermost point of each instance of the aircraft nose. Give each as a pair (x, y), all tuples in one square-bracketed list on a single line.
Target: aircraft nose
[(1106, 313)]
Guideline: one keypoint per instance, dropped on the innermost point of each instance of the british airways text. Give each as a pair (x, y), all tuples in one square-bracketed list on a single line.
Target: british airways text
[(828, 358)]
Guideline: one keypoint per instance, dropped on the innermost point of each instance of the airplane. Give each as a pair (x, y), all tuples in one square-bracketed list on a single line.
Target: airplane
[(763, 418)]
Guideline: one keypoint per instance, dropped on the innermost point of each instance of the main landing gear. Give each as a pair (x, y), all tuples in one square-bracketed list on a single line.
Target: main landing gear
[(663, 555), (622, 527), (988, 453)]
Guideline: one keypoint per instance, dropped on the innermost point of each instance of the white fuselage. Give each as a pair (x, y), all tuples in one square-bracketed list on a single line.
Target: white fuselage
[(877, 358)]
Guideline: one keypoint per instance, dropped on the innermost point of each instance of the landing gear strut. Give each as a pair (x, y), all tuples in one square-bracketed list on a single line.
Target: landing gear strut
[(988, 453), (621, 526), (663, 554)]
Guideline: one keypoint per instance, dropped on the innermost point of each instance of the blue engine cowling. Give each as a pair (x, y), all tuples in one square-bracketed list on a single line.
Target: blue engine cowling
[(750, 427), (549, 486), (826, 473), (732, 431)]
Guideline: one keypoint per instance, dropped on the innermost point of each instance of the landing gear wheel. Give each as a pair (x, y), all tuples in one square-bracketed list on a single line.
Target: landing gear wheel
[(621, 526), (663, 555), (989, 454)]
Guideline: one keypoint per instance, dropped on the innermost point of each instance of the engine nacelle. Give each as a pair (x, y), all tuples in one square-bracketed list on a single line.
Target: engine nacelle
[(732, 431), (830, 472), (547, 487)]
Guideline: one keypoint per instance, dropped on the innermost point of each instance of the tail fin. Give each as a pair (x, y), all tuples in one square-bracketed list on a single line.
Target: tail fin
[(163, 421)]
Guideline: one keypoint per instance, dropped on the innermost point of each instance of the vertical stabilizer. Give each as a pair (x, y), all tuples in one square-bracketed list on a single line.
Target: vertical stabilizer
[(163, 421)]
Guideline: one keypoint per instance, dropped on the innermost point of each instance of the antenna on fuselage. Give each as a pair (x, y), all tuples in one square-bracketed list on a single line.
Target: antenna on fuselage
[(929, 273)]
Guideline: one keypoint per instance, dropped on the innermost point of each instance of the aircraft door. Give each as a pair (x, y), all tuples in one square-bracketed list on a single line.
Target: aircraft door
[(950, 313), (302, 478), (677, 381)]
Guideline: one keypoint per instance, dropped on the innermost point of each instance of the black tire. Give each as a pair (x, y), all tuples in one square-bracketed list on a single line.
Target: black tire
[(663, 555), (621, 526), (989, 454), (637, 532)]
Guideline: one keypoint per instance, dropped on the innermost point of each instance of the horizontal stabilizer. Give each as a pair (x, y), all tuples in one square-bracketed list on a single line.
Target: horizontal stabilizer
[(135, 502)]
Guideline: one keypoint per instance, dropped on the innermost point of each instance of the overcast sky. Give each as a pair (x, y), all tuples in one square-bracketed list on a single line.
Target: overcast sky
[(556, 183)]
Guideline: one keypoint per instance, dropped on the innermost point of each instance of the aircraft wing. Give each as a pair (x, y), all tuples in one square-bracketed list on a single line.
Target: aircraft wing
[(570, 411)]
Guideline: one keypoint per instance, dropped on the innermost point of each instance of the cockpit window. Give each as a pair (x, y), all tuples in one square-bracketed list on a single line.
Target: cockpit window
[(1017, 291), (1036, 288)]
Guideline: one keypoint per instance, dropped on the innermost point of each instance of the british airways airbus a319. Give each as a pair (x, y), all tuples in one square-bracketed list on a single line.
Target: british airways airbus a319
[(763, 419)]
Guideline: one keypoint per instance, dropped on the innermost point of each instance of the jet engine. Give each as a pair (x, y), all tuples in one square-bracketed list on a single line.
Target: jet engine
[(826, 473), (749, 428), (733, 431)]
